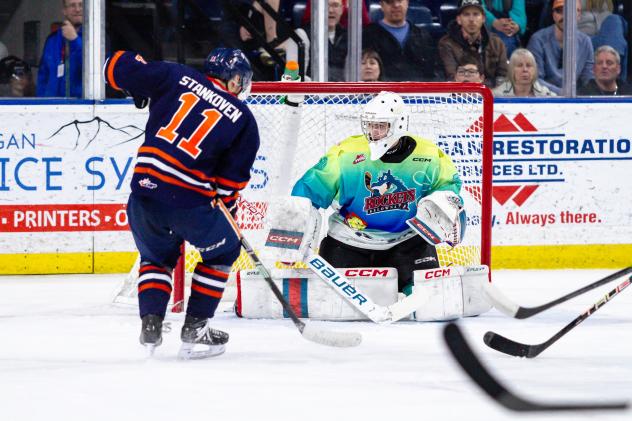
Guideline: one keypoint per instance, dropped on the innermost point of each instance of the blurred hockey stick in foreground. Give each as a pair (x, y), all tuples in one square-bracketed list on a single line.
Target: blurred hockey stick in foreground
[(324, 337), (464, 355), (507, 346), (511, 309)]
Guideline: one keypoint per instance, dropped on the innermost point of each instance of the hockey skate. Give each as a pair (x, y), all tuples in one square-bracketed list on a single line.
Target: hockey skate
[(199, 340), (151, 332)]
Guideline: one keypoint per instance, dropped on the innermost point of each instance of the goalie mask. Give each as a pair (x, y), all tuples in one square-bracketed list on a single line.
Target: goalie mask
[(384, 120)]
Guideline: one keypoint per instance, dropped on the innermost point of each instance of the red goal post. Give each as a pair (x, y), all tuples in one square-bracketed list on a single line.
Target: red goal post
[(456, 116)]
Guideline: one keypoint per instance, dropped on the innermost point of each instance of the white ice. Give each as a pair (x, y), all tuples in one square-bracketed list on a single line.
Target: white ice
[(66, 353)]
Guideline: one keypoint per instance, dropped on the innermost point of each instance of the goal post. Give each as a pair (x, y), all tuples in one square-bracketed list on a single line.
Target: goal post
[(458, 117)]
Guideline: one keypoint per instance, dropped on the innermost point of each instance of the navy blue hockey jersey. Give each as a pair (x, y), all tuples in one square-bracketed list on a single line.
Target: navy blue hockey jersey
[(200, 140)]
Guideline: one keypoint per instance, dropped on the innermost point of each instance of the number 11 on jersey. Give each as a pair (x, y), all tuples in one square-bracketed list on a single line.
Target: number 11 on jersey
[(191, 146)]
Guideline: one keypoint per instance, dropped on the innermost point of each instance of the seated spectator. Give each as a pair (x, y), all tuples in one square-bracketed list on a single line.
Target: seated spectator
[(337, 52), (469, 69), (546, 46), (523, 77), (508, 20), (406, 50), (16, 78), (467, 34), (307, 16), (370, 66), (60, 72), (607, 69), (605, 28), (594, 12)]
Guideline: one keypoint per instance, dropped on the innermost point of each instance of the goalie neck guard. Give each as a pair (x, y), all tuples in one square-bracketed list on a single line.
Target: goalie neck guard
[(384, 120)]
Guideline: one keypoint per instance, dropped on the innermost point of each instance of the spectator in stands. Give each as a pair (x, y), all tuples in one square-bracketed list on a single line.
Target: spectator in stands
[(508, 20), (60, 69), (467, 34), (546, 46), (306, 19), (469, 69), (337, 52), (607, 69), (604, 28), (370, 66), (16, 78), (277, 36), (406, 50), (523, 77)]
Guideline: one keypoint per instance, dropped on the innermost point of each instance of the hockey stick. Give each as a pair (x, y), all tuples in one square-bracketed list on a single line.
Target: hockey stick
[(323, 337), (507, 346), (469, 362), (511, 309)]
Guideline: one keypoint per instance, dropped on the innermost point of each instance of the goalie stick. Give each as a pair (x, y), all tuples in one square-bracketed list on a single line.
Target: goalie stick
[(469, 362), (507, 346), (323, 337), (506, 306)]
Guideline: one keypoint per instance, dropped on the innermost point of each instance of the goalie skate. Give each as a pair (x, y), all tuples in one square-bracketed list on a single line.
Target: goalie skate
[(199, 340)]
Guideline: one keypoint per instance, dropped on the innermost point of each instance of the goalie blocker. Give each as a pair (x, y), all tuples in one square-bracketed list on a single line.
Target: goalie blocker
[(442, 293)]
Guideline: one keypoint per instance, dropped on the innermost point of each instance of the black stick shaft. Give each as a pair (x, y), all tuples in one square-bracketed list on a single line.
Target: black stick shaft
[(517, 349), (524, 312)]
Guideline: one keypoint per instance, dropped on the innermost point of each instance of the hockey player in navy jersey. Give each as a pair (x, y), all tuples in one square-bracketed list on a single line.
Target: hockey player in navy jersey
[(200, 143)]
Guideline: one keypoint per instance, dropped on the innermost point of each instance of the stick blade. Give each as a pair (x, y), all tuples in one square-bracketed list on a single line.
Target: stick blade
[(509, 347), (331, 338), (499, 300)]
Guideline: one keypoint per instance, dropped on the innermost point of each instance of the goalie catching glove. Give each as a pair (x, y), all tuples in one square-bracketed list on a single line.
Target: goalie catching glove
[(440, 218), (293, 228)]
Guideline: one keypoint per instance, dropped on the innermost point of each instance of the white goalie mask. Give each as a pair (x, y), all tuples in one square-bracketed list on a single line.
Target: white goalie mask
[(384, 120)]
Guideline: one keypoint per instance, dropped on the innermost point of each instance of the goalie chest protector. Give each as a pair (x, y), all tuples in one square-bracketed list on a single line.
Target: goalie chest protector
[(309, 296)]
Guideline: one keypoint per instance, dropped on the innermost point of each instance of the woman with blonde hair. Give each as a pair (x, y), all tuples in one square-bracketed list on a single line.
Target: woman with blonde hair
[(523, 77)]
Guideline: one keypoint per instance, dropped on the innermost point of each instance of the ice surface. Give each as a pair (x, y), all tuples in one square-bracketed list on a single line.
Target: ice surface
[(66, 353)]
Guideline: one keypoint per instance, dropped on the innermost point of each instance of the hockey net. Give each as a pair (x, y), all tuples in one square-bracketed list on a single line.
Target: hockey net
[(458, 117)]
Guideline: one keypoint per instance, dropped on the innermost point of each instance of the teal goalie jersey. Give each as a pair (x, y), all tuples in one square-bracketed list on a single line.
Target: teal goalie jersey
[(373, 199)]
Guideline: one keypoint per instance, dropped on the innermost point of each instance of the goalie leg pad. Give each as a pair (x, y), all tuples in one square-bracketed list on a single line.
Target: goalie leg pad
[(451, 293), (309, 296)]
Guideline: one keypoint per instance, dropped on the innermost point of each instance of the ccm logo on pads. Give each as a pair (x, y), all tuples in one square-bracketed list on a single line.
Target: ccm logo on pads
[(438, 273), (284, 239), (373, 273)]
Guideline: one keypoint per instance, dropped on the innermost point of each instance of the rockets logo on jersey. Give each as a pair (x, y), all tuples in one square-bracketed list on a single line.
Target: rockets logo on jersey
[(387, 193)]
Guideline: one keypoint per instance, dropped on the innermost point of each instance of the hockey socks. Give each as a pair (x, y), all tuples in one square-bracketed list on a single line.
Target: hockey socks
[(207, 287)]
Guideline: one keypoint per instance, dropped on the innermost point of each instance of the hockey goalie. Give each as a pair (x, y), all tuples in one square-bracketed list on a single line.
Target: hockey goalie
[(395, 197)]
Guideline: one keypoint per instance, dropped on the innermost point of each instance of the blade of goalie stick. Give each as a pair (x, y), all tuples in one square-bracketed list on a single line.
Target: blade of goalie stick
[(469, 362), (506, 306), (517, 349), (323, 337)]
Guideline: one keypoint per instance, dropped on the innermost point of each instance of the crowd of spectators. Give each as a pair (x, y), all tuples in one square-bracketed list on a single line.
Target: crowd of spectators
[(483, 41)]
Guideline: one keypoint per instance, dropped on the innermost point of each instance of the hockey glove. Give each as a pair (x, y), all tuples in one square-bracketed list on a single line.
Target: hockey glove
[(440, 218)]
